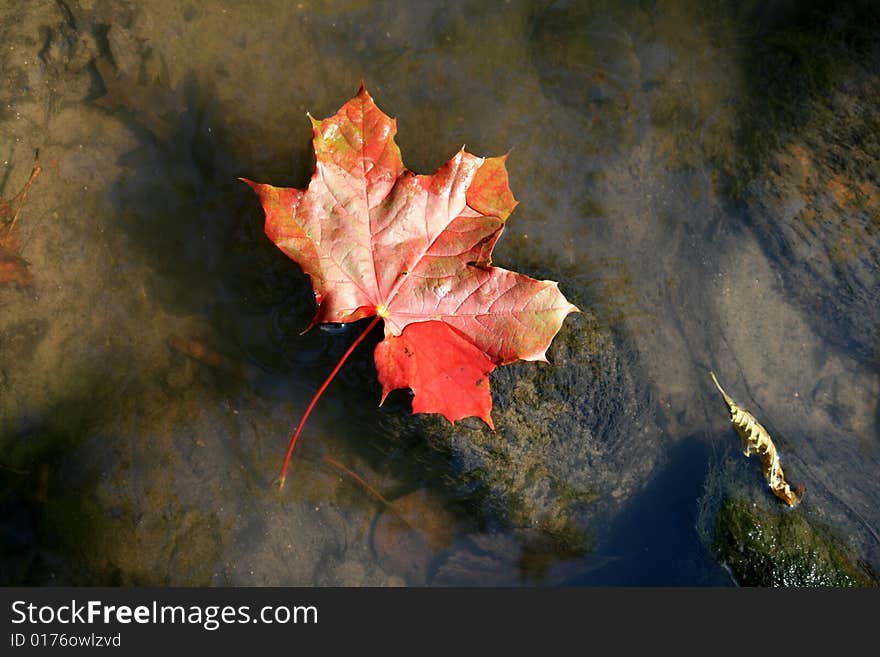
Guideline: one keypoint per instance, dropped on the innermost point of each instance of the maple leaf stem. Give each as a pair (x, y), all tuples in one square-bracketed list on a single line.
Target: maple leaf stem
[(317, 396)]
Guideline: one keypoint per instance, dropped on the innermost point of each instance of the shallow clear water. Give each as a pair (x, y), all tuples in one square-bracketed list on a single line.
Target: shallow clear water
[(125, 460)]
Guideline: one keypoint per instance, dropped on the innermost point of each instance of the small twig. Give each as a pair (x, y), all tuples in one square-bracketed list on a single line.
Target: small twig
[(20, 197), (329, 460), (354, 475), (15, 470)]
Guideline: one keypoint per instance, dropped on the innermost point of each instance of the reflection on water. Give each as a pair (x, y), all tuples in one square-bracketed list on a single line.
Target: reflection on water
[(150, 376)]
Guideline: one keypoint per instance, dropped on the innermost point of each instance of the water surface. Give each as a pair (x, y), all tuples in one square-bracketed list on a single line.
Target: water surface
[(705, 215)]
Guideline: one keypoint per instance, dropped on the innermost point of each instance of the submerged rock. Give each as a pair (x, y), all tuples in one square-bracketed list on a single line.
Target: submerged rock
[(812, 138), (763, 543), (574, 439), (817, 213), (782, 548)]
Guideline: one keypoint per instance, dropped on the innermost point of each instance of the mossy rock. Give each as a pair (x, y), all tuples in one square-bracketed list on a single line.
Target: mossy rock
[(782, 548), (573, 440)]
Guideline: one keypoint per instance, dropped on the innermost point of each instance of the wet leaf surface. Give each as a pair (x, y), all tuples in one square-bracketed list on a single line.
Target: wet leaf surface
[(415, 250)]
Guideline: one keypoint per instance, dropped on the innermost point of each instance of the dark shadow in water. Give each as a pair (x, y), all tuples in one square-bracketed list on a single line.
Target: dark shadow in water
[(48, 519), (654, 539), (181, 204), (183, 208)]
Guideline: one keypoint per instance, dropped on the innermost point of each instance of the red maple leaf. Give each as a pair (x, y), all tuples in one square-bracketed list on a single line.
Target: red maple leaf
[(415, 250)]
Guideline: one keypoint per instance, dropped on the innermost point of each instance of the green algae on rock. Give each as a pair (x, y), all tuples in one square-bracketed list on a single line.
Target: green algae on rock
[(761, 543), (782, 548)]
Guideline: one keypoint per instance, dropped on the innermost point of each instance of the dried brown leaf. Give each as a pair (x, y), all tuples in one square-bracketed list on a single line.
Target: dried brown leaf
[(13, 268), (199, 351), (756, 440)]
